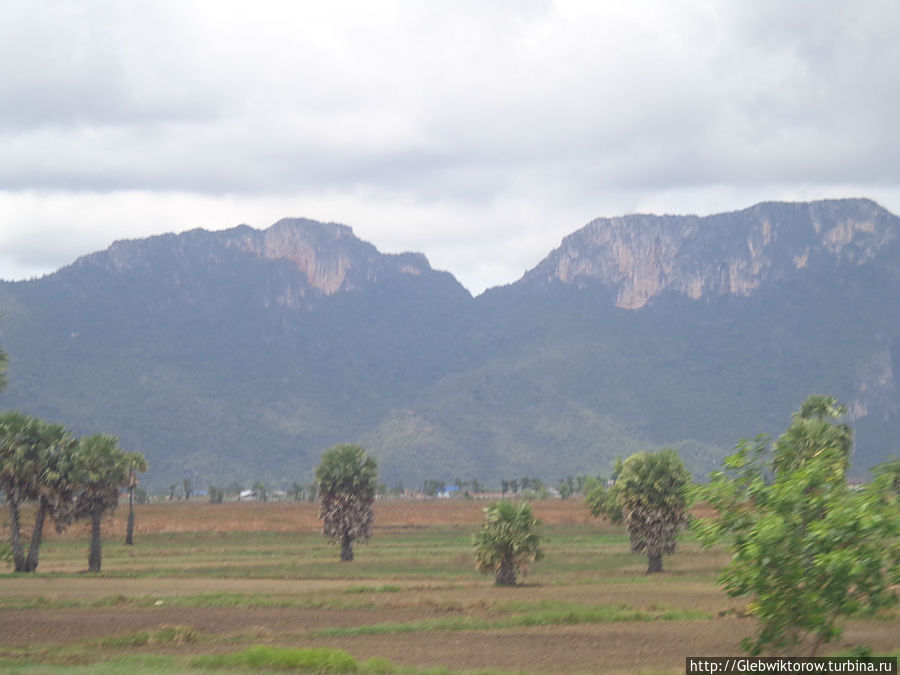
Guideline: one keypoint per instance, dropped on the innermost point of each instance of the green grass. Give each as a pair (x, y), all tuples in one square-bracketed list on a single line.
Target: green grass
[(296, 660), (553, 614), (146, 664), (384, 588), (251, 660)]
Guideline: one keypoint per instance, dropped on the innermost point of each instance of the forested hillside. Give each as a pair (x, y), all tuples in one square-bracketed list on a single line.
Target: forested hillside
[(243, 354)]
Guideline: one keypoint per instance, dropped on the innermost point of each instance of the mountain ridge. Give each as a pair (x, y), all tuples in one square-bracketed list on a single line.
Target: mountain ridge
[(640, 256), (242, 354)]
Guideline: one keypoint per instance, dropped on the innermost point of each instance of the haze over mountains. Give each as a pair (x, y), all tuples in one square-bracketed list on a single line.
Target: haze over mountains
[(243, 354)]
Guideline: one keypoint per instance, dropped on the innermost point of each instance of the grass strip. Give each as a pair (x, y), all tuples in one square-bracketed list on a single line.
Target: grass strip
[(546, 617), (222, 600), (308, 660)]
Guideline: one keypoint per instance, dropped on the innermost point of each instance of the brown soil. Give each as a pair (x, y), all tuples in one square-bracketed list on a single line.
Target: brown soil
[(607, 648), (201, 516)]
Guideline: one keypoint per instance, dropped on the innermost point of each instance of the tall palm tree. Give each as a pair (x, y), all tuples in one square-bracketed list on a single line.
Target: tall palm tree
[(101, 469), (53, 488), (650, 495), (137, 463), (20, 467), (347, 480)]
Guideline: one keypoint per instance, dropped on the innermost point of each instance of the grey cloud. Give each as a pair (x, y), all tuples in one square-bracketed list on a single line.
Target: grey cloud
[(456, 109), (97, 64)]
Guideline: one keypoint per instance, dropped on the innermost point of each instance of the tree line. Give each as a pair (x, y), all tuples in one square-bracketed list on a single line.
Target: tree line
[(66, 478)]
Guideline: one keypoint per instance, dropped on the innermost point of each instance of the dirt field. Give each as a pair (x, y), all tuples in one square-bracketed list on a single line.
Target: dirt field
[(201, 516), (235, 575)]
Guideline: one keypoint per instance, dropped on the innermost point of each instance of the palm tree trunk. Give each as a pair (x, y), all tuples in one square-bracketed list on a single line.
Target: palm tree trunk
[(655, 564), (507, 574), (37, 536), (346, 548), (129, 532), (15, 537), (94, 556)]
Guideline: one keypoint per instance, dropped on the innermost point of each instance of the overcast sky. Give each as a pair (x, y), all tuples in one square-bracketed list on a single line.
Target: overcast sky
[(479, 133)]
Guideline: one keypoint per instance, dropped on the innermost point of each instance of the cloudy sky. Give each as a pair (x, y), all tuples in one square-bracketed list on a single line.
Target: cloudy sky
[(477, 132)]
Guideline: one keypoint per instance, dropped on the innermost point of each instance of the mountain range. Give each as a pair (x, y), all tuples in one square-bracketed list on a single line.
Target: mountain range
[(242, 354)]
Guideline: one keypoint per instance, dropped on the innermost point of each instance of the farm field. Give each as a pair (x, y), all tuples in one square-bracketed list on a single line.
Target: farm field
[(205, 581)]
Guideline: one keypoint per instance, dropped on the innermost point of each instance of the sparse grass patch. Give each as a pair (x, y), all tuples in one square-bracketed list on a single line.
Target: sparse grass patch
[(164, 635), (309, 660), (384, 588)]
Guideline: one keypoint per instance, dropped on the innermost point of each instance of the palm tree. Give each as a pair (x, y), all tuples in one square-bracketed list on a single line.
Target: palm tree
[(54, 492), (650, 496), (20, 468), (136, 463), (102, 469), (347, 480), (507, 543)]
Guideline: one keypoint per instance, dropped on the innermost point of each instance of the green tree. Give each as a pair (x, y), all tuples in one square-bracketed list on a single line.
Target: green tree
[(650, 495), (260, 490), (507, 544), (814, 432), (891, 468), (21, 465), (347, 479), (296, 491), (101, 469), (135, 464), (806, 548), (432, 487), (54, 489), (566, 487)]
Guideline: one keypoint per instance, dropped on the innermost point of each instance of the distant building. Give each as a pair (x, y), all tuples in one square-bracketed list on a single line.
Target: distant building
[(448, 492)]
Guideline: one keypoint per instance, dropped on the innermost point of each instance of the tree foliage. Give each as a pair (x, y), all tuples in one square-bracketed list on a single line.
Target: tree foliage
[(64, 477), (649, 494), (507, 544), (807, 548), (101, 469), (347, 481), (55, 487), (890, 468), (34, 456), (21, 466)]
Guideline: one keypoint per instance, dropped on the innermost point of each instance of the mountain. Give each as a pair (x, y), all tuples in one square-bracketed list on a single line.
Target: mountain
[(243, 354), (234, 355), (732, 254)]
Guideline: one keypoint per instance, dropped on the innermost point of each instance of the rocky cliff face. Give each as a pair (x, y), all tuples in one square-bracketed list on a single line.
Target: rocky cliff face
[(326, 258), (640, 256), (328, 255)]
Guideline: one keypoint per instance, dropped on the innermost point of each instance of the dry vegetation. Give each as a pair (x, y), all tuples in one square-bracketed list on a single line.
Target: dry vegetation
[(201, 516)]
